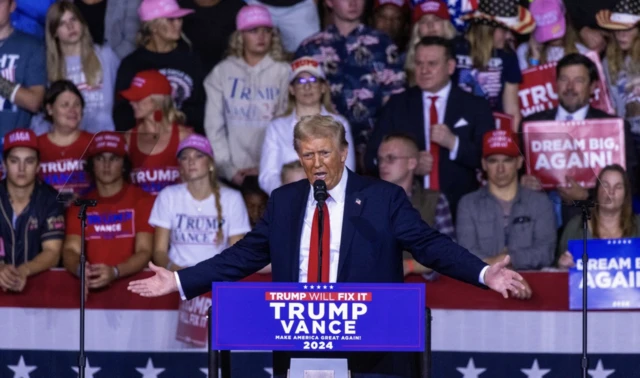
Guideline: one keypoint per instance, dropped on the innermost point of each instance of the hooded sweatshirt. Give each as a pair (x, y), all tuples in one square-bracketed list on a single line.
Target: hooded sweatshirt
[(241, 101)]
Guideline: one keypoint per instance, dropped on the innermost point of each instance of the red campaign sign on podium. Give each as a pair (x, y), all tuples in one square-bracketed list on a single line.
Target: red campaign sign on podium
[(577, 149), (537, 92), (192, 320)]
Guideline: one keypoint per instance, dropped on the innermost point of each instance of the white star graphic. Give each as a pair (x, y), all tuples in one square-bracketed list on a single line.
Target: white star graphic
[(471, 371), (325, 287), (21, 370), (600, 371), (150, 371), (269, 371), (311, 287), (305, 286), (535, 371), (331, 287), (88, 370), (206, 371)]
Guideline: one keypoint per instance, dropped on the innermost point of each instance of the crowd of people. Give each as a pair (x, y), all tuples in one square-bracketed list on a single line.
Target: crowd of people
[(178, 118)]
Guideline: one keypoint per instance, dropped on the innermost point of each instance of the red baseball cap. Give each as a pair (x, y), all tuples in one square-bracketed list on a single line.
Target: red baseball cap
[(500, 142), (108, 141), (145, 84), (402, 4), (435, 7), (20, 138)]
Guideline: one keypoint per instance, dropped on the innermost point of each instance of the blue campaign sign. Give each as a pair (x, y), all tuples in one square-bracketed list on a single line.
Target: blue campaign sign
[(312, 317), (613, 274)]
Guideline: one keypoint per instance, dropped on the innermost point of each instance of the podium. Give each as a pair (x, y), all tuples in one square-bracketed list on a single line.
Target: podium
[(299, 317)]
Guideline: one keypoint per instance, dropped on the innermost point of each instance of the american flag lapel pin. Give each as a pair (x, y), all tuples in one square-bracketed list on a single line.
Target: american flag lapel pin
[(358, 202)]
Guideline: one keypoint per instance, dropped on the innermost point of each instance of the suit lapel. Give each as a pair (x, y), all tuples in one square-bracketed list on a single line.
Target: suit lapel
[(353, 204), (416, 108), (450, 112), (300, 203)]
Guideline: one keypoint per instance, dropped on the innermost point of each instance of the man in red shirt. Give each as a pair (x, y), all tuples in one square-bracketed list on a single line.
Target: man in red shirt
[(118, 236)]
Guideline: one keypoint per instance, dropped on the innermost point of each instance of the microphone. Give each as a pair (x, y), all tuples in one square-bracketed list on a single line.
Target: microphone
[(320, 191)]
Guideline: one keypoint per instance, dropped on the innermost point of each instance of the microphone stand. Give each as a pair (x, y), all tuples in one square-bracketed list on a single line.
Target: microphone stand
[(586, 216), (82, 215), (320, 231)]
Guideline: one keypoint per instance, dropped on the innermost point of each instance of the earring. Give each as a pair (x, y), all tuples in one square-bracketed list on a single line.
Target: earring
[(210, 169), (157, 115)]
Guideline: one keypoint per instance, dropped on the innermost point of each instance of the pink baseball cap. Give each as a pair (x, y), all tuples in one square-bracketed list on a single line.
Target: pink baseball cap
[(549, 17), (197, 142), (253, 16), (154, 9)]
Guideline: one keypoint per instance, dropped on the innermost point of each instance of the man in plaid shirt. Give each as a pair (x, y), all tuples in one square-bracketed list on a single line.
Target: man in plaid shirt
[(397, 162)]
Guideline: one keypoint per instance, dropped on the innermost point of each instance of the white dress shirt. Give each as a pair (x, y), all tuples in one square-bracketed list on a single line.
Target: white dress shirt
[(579, 115), (278, 150), (335, 205), (441, 106)]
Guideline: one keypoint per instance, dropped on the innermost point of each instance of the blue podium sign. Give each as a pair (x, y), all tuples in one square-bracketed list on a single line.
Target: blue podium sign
[(318, 317), (613, 274)]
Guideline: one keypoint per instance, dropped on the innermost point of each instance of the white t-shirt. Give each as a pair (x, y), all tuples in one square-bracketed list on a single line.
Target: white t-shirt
[(194, 224)]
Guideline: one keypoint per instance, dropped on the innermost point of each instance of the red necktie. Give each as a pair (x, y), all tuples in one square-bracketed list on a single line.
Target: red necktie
[(312, 272), (434, 177)]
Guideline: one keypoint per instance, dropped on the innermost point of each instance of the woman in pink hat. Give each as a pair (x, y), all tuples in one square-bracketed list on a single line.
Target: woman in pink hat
[(161, 47), (553, 38), (244, 92), (308, 95), (199, 218), (155, 138)]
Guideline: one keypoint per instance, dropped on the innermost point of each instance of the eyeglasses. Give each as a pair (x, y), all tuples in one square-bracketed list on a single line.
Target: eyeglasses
[(306, 80), (390, 159)]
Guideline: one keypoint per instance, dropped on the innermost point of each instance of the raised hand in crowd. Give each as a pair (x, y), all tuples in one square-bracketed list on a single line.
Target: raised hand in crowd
[(239, 177), (573, 191), (530, 182)]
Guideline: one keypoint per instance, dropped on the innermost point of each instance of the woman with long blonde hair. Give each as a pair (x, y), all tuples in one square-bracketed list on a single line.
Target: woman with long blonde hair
[(163, 47), (155, 138), (308, 95), (72, 55), (244, 92), (486, 65), (199, 218)]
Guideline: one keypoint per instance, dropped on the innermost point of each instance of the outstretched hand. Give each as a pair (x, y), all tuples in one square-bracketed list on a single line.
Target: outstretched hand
[(504, 280), (162, 283)]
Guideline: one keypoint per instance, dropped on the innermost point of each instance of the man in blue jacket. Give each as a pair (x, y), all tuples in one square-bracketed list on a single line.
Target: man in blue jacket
[(368, 224)]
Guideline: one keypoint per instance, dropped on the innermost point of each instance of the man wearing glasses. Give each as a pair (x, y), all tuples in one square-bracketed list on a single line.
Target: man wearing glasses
[(397, 163)]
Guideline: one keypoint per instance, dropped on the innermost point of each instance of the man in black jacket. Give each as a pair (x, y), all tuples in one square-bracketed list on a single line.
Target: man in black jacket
[(446, 123), (576, 79)]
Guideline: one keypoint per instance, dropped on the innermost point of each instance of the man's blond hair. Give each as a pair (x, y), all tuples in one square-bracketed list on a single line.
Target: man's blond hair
[(319, 127)]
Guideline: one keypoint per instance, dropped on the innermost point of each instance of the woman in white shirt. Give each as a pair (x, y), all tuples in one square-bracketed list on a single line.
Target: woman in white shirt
[(198, 218), (308, 95)]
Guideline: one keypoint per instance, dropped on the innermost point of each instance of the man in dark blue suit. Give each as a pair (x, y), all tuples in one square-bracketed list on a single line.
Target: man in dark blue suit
[(368, 224), (446, 123)]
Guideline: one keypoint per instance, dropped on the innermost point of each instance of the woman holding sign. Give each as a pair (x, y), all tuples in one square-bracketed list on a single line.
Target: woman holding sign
[(612, 217)]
